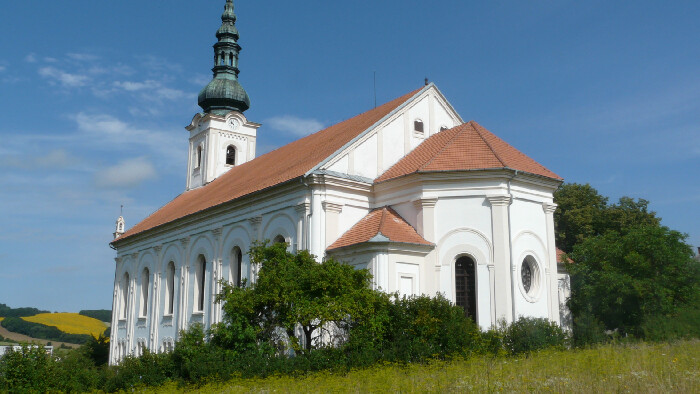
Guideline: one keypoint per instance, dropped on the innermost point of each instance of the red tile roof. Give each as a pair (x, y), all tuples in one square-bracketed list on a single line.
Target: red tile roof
[(383, 221), (465, 147), (560, 257), (286, 163)]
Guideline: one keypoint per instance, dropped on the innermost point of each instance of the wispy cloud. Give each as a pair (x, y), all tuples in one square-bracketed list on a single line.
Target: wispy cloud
[(31, 58), (296, 126), (64, 78), (54, 159), (2, 68), (127, 174)]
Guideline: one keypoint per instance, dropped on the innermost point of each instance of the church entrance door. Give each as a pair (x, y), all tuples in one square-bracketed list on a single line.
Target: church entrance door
[(465, 286)]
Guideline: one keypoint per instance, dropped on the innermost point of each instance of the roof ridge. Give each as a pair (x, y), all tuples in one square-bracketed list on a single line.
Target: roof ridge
[(445, 146), (498, 157), (381, 219)]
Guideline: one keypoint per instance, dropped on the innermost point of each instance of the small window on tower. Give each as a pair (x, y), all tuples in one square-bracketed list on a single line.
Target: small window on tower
[(231, 155), (199, 156), (418, 126)]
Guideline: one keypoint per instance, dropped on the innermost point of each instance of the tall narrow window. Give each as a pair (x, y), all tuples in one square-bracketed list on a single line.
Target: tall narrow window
[(199, 156), (231, 155), (125, 296), (170, 289), (236, 263), (465, 286), (201, 273), (144, 292)]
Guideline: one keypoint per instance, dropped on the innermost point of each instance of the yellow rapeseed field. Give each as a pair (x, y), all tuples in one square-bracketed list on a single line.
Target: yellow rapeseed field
[(1, 318), (71, 323)]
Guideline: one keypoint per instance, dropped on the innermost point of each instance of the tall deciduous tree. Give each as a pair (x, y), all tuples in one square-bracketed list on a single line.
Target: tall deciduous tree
[(621, 279)]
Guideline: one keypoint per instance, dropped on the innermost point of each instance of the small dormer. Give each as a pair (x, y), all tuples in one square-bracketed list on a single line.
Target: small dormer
[(217, 144)]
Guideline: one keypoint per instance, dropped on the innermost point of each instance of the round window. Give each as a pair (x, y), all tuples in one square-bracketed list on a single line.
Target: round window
[(530, 279), (526, 276)]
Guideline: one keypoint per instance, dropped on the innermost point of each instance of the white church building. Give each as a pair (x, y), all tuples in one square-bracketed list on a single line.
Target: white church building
[(427, 202)]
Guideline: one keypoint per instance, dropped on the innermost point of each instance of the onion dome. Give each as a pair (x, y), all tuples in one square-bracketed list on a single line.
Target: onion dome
[(224, 93)]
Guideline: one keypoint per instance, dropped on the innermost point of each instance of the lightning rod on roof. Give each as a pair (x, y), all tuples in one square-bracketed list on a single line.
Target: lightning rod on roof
[(426, 81), (375, 89)]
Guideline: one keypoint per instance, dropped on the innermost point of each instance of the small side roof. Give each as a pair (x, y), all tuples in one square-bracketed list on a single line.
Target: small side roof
[(465, 147), (380, 225), (281, 165)]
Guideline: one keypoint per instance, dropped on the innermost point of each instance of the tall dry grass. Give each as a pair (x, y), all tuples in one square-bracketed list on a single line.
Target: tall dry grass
[(631, 368)]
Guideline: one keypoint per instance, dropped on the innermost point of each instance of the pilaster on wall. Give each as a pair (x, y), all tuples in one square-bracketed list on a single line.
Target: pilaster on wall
[(255, 224), (551, 269), (426, 228), (217, 275), (184, 283), (303, 210), (332, 211), (503, 289), (155, 300)]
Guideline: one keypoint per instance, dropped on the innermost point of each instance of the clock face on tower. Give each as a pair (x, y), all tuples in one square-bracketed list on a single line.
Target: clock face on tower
[(233, 123)]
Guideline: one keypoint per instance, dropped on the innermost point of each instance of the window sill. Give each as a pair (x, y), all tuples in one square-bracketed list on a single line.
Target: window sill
[(143, 317), (198, 313), (168, 316)]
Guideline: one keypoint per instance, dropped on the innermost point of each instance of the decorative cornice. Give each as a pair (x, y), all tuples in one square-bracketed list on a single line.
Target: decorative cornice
[(134, 255), (302, 208), (158, 248), (332, 207), (549, 207), (499, 200), (118, 260), (184, 242), (217, 233), (425, 203), (255, 221)]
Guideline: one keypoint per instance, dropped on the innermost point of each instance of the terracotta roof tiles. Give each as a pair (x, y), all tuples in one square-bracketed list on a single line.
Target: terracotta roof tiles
[(465, 147), (284, 164), (382, 222)]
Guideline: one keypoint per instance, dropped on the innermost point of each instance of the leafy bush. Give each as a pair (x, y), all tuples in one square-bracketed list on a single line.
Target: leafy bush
[(425, 327), (29, 369), (41, 331), (150, 369), (104, 315), (528, 334)]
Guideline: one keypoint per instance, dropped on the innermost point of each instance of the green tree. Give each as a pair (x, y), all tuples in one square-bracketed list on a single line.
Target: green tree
[(292, 291), (579, 214), (623, 278)]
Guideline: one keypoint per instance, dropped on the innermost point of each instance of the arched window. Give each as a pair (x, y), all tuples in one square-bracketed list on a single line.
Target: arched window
[(236, 263), (144, 293), (418, 126), (465, 285), (125, 296), (230, 59), (200, 281), (170, 289), (231, 155), (279, 239), (199, 156)]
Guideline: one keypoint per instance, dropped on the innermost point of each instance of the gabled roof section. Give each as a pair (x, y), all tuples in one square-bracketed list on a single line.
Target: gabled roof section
[(281, 165), (465, 147), (380, 225)]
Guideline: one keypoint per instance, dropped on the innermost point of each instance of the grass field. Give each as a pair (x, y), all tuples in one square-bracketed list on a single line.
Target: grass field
[(71, 323), (633, 368)]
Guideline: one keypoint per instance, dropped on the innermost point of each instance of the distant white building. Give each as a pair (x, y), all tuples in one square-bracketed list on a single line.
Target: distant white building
[(428, 203)]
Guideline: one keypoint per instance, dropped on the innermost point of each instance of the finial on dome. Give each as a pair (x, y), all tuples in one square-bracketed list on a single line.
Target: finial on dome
[(224, 93)]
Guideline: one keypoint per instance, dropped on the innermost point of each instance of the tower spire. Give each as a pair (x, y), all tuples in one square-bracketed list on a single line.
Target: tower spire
[(224, 93)]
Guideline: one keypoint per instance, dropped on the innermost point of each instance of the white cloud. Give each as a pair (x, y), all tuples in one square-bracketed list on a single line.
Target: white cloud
[(136, 86), (66, 79), (101, 124), (294, 125), (200, 79), (127, 174), (54, 159), (2, 68), (31, 58), (83, 57)]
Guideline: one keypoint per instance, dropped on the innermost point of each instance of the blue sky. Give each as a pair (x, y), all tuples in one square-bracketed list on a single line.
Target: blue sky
[(601, 92)]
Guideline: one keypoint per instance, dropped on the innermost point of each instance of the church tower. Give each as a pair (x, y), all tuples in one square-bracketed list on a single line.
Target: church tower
[(221, 137)]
